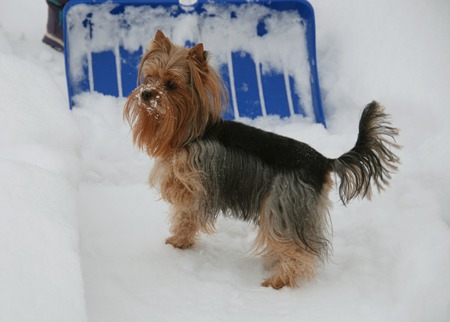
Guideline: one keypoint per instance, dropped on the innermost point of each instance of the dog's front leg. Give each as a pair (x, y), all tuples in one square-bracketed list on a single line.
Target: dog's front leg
[(185, 227)]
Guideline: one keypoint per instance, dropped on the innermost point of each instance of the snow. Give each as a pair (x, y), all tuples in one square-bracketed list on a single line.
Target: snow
[(82, 235), (40, 276)]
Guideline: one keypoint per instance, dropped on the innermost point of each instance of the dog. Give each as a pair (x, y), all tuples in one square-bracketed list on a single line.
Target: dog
[(206, 166)]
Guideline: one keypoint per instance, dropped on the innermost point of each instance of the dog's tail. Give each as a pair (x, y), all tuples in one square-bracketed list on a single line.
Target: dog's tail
[(371, 161)]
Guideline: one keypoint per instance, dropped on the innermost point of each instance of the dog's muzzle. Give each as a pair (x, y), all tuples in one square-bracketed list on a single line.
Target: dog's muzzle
[(149, 97)]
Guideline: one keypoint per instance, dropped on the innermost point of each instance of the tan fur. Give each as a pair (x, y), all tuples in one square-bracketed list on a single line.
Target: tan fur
[(290, 260), (177, 123), (291, 264), (181, 186), (184, 228)]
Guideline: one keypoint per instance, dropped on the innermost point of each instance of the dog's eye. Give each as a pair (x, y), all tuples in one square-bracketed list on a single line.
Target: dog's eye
[(171, 85)]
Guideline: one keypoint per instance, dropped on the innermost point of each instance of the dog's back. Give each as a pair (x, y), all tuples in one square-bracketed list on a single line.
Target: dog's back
[(279, 153)]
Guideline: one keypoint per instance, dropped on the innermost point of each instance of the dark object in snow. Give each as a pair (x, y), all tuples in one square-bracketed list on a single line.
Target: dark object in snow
[(54, 35)]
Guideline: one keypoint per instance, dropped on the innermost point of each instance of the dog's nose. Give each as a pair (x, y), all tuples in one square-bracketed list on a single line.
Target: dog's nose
[(146, 95)]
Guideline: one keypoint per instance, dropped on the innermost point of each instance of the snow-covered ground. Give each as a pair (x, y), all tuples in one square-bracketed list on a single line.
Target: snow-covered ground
[(82, 236)]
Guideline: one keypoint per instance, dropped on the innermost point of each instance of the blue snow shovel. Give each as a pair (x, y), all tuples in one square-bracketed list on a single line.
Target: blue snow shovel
[(264, 50)]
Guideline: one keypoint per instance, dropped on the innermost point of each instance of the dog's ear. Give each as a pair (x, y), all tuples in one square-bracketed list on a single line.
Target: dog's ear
[(160, 42), (199, 56)]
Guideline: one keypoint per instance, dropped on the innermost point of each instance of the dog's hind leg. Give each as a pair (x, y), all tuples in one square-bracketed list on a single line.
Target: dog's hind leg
[(289, 258), (291, 262)]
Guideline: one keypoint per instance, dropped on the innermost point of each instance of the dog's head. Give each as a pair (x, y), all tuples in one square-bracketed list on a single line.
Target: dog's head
[(178, 98)]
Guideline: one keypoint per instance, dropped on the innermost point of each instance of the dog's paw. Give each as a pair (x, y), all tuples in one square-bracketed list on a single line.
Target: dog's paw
[(275, 283), (180, 243)]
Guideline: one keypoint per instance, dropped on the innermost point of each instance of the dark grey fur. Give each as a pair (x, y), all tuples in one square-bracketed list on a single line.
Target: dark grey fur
[(371, 161)]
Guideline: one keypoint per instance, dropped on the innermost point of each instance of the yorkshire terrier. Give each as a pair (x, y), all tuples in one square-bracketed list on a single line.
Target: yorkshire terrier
[(206, 166)]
